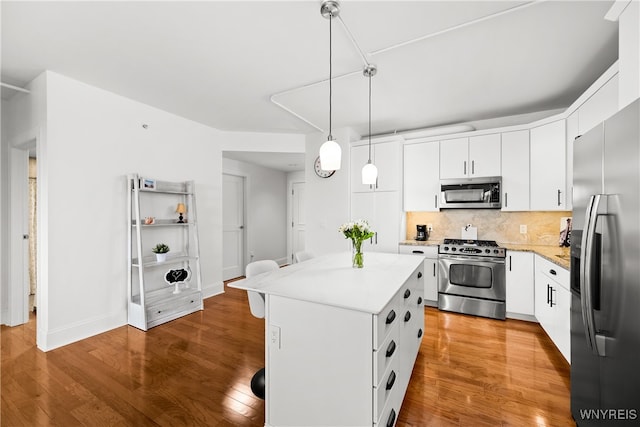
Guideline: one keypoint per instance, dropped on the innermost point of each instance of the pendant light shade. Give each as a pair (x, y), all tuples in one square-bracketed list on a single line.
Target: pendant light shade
[(330, 155), (330, 151), (369, 171), (369, 174)]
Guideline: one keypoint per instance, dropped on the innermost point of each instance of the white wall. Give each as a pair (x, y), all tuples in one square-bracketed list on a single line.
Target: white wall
[(93, 139), (629, 54), (328, 199), (266, 210)]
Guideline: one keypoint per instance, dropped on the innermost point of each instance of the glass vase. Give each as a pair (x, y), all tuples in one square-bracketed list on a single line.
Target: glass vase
[(357, 256)]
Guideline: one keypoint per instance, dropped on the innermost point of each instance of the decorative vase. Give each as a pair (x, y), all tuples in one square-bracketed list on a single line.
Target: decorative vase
[(356, 255), (161, 257)]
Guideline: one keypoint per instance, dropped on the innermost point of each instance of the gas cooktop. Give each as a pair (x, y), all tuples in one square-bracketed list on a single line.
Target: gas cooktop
[(486, 248)]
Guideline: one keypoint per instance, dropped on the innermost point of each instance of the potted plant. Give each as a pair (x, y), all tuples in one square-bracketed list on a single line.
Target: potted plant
[(161, 251)]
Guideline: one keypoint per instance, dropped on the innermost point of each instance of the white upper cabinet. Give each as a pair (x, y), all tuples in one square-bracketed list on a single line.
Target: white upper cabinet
[(476, 156), (573, 132), (386, 157), (421, 175), (484, 155), (548, 167), (515, 171)]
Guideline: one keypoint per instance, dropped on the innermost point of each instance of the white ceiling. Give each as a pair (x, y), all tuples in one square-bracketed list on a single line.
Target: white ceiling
[(223, 63)]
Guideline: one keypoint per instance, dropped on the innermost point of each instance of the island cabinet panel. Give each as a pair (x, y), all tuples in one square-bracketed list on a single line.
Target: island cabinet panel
[(335, 365)]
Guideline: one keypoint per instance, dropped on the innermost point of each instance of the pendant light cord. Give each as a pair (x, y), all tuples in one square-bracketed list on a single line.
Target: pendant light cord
[(330, 70), (369, 117)]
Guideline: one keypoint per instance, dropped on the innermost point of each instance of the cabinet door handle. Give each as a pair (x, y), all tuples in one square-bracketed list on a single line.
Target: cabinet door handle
[(417, 252), (407, 316), (552, 271), (391, 380), (434, 269), (419, 300), (473, 167), (419, 332), (506, 200), (376, 237), (509, 262), (391, 317), (407, 294), (392, 418), (559, 197), (391, 348), (435, 201), (464, 167), (548, 294), (419, 274)]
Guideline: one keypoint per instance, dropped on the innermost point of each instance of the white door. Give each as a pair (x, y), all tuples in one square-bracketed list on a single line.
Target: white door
[(18, 291), (298, 221), (232, 226)]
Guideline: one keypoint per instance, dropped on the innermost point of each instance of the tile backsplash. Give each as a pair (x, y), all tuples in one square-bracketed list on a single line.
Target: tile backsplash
[(543, 228)]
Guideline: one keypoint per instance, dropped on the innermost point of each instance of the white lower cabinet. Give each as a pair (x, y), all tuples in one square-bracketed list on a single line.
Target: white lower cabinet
[(430, 278), (334, 366), (553, 303), (520, 285)]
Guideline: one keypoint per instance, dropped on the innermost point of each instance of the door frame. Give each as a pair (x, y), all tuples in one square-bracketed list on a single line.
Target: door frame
[(18, 257), (290, 224)]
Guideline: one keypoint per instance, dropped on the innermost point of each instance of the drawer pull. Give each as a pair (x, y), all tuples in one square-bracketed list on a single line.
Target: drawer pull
[(419, 300), (391, 348), (419, 274), (391, 380), (407, 294), (407, 316), (552, 271), (392, 418), (418, 252), (419, 332), (391, 317)]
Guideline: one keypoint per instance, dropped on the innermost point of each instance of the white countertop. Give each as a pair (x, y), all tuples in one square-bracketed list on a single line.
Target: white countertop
[(330, 279)]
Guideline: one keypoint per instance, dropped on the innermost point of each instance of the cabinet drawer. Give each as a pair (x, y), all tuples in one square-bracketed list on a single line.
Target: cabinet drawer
[(389, 415), (387, 319), (383, 357), (387, 388), (412, 291), (169, 307), (553, 271)]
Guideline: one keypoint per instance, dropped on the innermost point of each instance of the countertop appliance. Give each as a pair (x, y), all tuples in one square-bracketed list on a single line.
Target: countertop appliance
[(468, 193), (605, 273), (472, 277), (421, 233)]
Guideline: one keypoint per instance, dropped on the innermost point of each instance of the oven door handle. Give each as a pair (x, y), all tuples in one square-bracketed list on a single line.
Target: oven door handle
[(476, 260)]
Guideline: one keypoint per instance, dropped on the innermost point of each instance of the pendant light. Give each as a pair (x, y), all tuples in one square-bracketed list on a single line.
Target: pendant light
[(330, 151), (369, 171)]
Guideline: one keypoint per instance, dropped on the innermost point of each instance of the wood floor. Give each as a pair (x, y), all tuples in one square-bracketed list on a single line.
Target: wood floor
[(195, 371)]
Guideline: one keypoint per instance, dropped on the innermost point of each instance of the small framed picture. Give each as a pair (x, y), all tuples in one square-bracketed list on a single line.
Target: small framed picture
[(148, 184)]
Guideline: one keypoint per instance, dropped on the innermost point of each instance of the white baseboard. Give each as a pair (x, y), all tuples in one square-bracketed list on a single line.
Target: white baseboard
[(78, 331), (214, 289), (525, 317)]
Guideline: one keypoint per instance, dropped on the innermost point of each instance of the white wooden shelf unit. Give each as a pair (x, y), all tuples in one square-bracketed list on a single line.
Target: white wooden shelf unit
[(151, 300)]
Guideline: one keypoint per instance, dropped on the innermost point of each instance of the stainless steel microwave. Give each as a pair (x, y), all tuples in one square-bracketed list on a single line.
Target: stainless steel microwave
[(471, 193)]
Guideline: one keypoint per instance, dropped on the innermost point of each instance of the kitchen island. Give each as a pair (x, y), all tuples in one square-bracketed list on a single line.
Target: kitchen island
[(341, 342)]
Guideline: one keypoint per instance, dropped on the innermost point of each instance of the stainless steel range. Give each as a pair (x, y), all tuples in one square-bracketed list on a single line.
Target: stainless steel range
[(472, 277)]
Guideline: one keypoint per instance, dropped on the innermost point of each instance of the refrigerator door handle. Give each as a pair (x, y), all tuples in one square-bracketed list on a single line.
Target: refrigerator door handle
[(595, 342)]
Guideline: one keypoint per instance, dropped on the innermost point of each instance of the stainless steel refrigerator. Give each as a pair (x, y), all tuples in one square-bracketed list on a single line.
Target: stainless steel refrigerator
[(605, 273)]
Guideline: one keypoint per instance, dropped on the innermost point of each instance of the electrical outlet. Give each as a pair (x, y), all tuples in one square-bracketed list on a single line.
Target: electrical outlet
[(429, 228), (523, 229), (274, 336)]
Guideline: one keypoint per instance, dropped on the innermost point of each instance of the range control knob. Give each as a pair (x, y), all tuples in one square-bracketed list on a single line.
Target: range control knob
[(488, 251), (446, 248), (453, 249), (495, 251)]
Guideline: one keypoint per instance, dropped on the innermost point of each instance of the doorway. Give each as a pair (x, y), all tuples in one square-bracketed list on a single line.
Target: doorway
[(233, 235)]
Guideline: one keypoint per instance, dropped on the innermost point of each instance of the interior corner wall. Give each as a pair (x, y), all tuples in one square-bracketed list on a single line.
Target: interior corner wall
[(265, 208), (94, 138), (4, 225), (328, 199)]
